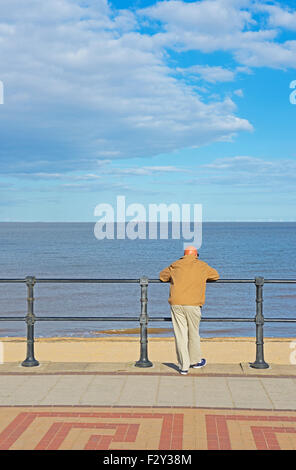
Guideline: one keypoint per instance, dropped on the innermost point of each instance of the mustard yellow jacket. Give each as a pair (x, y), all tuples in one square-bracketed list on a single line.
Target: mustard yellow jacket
[(188, 276)]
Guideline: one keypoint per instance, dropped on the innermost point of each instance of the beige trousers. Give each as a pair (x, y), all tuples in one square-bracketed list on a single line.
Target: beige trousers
[(186, 319)]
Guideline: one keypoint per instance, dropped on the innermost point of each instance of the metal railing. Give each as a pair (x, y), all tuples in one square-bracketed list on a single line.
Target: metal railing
[(143, 319)]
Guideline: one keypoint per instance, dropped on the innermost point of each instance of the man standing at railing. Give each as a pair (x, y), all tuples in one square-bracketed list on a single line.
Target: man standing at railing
[(188, 277)]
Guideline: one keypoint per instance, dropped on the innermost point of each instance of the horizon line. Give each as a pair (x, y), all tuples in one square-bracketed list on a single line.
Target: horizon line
[(94, 221)]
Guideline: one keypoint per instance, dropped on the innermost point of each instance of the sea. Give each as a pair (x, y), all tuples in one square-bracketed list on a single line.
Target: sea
[(238, 250)]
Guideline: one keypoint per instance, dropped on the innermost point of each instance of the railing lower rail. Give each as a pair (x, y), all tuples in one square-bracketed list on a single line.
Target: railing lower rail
[(143, 319)]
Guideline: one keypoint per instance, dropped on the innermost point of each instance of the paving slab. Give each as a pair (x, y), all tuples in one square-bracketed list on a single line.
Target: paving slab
[(66, 389), (162, 390), (274, 369), (103, 392), (107, 366), (282, 392), (223, 369), (118, 384), (249, 393), (241, 369), (173, 391), (61, 367), (212, 392), (139, 391)]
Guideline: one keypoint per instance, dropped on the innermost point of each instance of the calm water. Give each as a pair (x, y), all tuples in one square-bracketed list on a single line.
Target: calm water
[(70, 250)]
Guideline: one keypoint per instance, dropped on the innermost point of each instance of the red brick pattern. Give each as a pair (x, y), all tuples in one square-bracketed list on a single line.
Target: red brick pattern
[(93, 428), (170, 434), (58, 431), (264, 436)]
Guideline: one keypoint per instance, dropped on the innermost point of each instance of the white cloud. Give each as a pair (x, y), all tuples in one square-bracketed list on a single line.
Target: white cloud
[(95, 85), (279, 16), (268, 54), (239, 92), (105, 169), (225, 25), (238, 163), (212, 74), (145, 170), (248, 171), (83, 79), (204, 17)]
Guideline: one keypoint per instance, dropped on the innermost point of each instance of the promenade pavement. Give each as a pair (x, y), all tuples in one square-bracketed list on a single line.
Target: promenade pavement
[(119, 406)]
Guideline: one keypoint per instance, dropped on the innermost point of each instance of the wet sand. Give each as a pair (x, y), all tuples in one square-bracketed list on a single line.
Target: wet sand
[(134, 331), (157, 331)]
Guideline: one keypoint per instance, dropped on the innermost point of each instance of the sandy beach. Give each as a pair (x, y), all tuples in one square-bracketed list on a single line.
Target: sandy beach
[(160, 349)]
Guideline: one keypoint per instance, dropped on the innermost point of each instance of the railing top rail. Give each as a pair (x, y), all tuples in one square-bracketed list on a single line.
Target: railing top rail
[(218, 281), (135, 281), (73, 280), (95, 281)]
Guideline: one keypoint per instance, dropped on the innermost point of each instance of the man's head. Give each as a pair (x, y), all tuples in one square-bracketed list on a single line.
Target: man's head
[(190, 250)]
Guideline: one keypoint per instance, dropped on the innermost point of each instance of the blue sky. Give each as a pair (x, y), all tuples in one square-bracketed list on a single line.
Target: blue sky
[(162, 102)]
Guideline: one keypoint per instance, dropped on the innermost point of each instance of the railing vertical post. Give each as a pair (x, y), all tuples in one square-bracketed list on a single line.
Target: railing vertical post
[(259, 319), (143, 361), (30, 360)]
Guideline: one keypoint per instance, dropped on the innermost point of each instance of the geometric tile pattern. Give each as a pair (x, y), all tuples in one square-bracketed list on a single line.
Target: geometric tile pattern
[(102, 428), (126, 428), (265, 437)]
